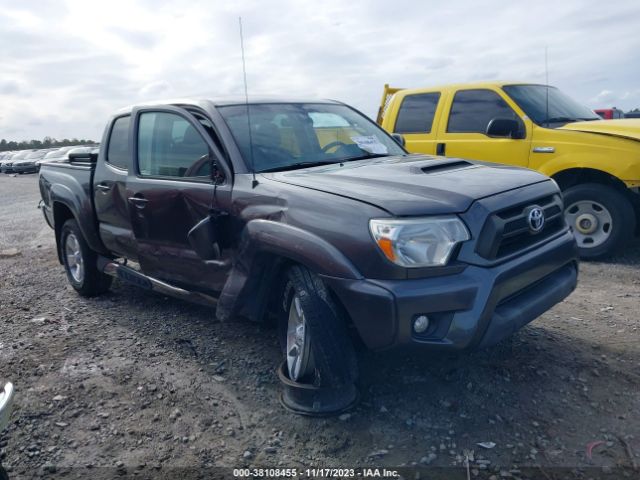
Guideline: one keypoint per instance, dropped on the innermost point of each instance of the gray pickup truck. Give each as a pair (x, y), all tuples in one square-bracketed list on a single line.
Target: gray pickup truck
[(308, 212)]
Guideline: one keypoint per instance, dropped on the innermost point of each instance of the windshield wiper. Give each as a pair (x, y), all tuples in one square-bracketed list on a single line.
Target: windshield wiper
[(295, 166), (364, 157)]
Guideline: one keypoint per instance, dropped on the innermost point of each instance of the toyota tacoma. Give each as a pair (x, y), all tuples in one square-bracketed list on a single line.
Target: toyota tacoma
[(308, 212)]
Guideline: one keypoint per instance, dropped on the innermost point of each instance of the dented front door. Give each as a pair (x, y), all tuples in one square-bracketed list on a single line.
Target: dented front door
[(170, 191)]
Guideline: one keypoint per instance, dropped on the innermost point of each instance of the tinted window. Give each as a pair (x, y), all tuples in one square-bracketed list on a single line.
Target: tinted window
[(169, 146), (416, 113), (118, 151), (472, 110)]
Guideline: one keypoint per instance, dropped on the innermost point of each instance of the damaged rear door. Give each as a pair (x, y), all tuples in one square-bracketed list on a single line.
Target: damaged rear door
[(172, 189)]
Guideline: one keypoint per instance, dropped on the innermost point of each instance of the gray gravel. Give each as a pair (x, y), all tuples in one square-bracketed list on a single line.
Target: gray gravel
[(133, 380)]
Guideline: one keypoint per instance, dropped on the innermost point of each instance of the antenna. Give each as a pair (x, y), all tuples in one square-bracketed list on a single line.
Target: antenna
[(254, 183), (546, 73)]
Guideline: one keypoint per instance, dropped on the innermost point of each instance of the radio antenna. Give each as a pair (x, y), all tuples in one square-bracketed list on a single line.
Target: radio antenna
[(546, 73), (254, 182)]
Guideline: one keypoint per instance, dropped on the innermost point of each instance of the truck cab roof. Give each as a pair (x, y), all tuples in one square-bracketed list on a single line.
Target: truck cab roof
[(213, 102)]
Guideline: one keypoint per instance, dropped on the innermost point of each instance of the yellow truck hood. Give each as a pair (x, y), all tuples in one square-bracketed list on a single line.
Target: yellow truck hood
[(627, 128)]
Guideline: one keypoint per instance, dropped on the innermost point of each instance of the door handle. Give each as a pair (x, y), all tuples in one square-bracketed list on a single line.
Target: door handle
[(139, 202), (103, 187), (440, 148)]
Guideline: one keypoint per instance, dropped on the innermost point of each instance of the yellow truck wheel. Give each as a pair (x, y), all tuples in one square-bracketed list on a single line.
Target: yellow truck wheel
[(602, 219)]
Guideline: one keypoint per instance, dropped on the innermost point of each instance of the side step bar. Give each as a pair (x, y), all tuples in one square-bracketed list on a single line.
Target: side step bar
[(133, 277)]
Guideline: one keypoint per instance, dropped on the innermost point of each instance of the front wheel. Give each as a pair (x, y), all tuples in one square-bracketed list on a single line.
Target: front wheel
[(313, 333), (602, 218), (80, 262)]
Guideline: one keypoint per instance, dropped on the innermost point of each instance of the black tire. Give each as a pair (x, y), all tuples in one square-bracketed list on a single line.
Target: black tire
[(334, 361), (92, 282), (620, 209)]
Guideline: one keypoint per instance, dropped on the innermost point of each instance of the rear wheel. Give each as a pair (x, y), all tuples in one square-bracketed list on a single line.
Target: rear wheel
[(313, 334), (602, 218), (80, 262)]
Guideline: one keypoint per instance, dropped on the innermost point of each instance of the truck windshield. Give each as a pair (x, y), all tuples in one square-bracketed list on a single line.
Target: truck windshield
[(562, 108), (286, 136)]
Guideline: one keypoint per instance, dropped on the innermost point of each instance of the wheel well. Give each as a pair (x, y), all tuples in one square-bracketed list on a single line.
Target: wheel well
[(275, 282), (575, 176), (61, 213)]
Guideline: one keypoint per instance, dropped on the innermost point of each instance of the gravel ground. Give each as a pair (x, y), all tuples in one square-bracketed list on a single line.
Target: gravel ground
[(136, 382)]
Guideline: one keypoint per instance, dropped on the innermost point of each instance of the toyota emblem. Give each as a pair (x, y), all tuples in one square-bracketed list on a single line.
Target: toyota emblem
[(535, 219)]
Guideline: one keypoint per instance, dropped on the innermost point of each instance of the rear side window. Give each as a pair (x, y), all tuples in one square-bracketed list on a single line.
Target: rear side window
[(170, 146), (118, 150), (472, 110), (416, 113)]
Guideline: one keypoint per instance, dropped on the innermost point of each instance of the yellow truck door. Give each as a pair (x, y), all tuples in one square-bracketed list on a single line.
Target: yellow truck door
[(462, 131), (415, 118)]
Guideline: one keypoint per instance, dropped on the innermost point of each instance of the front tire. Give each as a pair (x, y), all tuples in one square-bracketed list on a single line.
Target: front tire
[(80, 262), (602, 218), (313, 333)]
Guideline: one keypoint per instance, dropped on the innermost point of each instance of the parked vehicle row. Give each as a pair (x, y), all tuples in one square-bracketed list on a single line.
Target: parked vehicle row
[(29, 161)]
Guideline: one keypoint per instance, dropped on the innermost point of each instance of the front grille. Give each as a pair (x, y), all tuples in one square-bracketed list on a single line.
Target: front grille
[(507, 231)]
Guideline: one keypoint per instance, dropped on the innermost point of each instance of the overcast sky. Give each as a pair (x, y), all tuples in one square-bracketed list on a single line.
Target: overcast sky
[(67, 65)]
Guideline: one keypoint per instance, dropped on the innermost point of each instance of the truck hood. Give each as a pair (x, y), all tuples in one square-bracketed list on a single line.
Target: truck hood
[(626, 127), (412, 184)]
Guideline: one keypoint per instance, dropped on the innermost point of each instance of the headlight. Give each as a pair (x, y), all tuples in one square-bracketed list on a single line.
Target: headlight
[(419, 242)]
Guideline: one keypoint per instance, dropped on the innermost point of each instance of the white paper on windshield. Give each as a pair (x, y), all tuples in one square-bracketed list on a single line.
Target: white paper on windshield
[(371, 144)]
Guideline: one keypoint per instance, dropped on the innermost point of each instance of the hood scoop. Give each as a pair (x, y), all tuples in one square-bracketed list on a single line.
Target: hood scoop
[(445, 166)]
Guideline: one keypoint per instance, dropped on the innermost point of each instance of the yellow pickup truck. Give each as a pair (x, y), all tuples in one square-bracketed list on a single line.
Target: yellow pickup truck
[(595, 162)]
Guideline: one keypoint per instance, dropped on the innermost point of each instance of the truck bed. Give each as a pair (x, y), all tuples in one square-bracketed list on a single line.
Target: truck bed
[(68, 187)]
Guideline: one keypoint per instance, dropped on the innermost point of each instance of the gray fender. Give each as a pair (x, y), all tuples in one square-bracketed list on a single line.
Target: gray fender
[(81, 211), (264, 245)]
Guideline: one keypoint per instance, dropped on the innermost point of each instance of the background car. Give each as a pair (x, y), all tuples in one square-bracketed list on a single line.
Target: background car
[(59, 155), (610, 113), (6, 403), (7, 165), (55, 155), (5, 157), (28, 163)]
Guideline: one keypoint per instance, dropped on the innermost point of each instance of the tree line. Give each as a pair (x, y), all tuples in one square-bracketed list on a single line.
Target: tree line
[(46, 142)]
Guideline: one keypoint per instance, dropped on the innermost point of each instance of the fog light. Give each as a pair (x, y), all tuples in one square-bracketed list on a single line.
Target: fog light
[(420, 324)]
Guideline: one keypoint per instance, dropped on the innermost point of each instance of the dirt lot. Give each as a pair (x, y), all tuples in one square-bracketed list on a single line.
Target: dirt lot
[(136, 382)]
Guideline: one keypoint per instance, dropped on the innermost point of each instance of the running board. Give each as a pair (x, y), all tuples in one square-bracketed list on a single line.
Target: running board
[(133, 277)]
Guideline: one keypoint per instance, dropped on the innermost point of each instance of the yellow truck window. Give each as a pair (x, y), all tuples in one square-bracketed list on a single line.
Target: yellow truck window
[(416, 113), (472, 110)]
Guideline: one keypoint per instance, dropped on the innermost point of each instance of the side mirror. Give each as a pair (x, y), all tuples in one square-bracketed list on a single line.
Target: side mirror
[(399, 139), (505, 128), (203, 238)]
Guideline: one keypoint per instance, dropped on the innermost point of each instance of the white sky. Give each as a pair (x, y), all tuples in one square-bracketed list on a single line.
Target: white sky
[(67, 65)]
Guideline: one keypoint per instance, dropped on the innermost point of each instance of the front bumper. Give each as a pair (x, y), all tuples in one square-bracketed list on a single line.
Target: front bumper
[(477, 307), (6, 402)]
